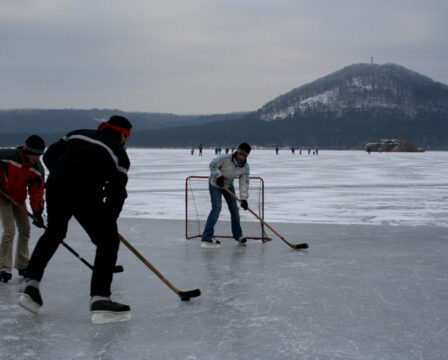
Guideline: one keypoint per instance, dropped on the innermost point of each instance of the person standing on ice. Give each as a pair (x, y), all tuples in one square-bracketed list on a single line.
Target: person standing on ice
[(224, 169), (21, 173), (87, 180)]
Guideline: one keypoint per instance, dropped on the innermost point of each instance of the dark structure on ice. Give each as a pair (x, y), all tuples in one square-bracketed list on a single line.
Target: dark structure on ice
[(392, 145)]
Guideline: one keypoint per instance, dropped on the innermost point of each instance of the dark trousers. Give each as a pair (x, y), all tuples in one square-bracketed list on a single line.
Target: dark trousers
[(64, 200), (216, 195)]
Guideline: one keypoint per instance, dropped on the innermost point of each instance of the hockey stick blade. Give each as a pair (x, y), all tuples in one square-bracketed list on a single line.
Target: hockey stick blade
[(293, 246), (186, 295), (301, 246), (118, 269)]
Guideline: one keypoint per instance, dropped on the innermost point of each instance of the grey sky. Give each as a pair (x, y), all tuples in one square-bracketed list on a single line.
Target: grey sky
[(202, 57)]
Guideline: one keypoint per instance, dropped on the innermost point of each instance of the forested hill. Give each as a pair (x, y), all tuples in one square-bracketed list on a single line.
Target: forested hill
[(362, 87), (15, 125), (358, 104)]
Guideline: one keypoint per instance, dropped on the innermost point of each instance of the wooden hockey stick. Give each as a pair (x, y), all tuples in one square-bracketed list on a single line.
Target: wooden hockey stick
[(184, 295), (294, 246)]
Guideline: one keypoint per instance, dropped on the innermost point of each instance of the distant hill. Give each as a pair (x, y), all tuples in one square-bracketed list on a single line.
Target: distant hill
[(346, 109), (359, 104), (362, 87)]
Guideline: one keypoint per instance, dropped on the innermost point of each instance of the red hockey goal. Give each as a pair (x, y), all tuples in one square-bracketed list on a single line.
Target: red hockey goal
[(198, 206)]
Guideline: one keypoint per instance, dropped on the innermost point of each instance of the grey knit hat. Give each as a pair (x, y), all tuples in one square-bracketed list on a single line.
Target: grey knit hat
[(244, 149)]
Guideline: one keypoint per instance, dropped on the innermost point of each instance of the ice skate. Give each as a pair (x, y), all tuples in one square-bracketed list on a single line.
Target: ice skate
[(241, 241), (210, 244), (22, 272), (5, 276), (104, 310), (30, 297)]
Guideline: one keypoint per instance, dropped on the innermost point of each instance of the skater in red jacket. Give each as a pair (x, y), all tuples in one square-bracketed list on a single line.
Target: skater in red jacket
[(21, 174)]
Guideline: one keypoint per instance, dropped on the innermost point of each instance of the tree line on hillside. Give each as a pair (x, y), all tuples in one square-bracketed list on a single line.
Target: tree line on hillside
[(332, 130), (326, 130), (64, 120)]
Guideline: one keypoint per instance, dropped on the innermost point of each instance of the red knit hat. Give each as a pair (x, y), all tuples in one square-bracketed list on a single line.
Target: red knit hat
[(117, 123)]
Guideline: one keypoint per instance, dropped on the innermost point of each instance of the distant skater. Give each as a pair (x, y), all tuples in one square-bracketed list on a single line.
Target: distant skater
[(200, 149), (276, 150)]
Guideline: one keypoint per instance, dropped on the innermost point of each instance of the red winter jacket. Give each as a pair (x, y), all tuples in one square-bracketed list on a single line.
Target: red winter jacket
[(17, 175)]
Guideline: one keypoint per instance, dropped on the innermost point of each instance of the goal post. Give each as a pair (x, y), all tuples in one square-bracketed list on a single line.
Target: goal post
[(198, 206)]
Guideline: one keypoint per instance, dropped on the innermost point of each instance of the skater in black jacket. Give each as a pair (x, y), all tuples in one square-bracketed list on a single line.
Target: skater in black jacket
[(87, 180)]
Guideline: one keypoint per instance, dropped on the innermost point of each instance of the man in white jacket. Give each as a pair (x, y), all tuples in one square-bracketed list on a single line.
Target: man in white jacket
[(224, 169)]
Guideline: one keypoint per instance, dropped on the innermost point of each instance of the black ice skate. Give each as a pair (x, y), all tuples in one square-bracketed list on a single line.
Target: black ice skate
[(30, 297), (5, 276), (22, 272), (241, 241), (104, 310)]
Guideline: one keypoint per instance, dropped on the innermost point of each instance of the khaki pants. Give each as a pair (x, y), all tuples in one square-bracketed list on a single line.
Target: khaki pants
[(10, 215)]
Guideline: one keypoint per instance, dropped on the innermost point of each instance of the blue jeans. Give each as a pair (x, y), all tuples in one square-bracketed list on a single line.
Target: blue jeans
[(216, 198)]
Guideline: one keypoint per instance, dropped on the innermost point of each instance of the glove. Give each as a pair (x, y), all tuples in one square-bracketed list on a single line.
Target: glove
[(220, 181), (37, 219), (244, 204)]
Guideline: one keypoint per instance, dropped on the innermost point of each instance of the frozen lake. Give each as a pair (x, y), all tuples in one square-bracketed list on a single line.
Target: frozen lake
[(364, 289), (334, 187)]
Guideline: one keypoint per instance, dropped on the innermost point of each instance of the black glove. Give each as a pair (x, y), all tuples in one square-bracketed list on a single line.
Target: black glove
[(37, 219), (244, 204), (220, 181)]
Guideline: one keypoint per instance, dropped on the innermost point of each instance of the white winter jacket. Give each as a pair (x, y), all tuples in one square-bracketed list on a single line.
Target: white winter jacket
[(224, 165)]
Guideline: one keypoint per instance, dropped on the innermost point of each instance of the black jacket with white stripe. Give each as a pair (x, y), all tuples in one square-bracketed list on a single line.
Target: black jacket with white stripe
[(94, 162)]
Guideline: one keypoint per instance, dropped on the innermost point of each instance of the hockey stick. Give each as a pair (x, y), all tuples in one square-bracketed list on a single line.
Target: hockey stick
[(184, 295), (294, 246), (117, 268)]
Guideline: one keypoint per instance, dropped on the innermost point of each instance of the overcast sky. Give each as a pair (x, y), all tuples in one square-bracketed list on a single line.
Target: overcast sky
[(203, 57)]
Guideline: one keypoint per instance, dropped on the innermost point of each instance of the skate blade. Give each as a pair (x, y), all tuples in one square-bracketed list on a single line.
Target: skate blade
[(209, 245), (104, 317), (26, 302)]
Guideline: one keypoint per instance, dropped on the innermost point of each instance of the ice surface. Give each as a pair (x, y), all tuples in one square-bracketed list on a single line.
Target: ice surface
[(335, 187), (362, 291)]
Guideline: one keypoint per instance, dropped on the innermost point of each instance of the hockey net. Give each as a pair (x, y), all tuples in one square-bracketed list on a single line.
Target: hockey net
[(198, 206)]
